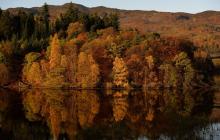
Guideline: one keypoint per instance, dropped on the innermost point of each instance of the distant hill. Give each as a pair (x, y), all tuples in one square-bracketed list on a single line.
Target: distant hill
[(202, 28)]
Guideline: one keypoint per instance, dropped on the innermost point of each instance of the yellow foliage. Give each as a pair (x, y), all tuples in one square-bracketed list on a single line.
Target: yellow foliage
[(64, 61), (55, 78), (120, 106), (88, 71), (55, 54), (55, 122), (74, 29), (32, 102), (45, 68), (88, 106), (120, 73), (150, 61), (70, 50), (34, 75)]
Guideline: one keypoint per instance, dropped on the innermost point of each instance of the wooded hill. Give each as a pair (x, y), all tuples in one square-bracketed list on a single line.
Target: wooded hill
[(84, 49), (201, 28)]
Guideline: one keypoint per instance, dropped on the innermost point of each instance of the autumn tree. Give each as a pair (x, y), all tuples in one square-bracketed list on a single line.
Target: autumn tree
[(88, 71), (71, 51), (28, 76), (34, 76), (97, 48), (150, 74), (120, 73), (183, 62), (94, 76), (74, 29), (55, 53), (135, 68)]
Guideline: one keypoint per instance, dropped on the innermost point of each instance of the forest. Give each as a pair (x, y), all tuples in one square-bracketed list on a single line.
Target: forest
[(87, 51)]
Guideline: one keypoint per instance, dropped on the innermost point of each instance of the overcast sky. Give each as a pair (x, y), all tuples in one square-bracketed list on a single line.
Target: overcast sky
[(190, 6)]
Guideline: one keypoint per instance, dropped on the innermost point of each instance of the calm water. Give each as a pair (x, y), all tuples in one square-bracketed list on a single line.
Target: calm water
[(103, 115)]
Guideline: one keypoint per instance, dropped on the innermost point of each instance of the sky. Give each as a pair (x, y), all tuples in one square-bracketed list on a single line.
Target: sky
[(189, 6)]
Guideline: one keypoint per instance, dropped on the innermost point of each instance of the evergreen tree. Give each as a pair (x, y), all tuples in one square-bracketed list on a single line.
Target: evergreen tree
[(114, 21), (85, 21), (16, 26), (72, 14), (6, 29), (46, 21), (22, 20), (29, 27)]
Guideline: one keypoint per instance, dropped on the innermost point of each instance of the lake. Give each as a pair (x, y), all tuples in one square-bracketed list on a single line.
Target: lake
[(103, 115)]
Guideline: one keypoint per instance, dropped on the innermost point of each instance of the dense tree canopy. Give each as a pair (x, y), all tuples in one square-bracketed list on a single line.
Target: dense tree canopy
[(82, 50)]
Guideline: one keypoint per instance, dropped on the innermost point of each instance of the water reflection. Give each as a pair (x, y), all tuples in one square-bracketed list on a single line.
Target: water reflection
[(156, 114), (64, 111), (13, 124)]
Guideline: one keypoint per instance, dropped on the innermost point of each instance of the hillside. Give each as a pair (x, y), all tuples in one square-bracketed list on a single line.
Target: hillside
[(202, 28), (62, 47)]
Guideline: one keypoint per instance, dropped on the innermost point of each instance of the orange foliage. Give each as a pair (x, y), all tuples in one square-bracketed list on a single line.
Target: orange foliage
[(82, 37), (34, 75), (74, 29), (106, 32), (135, 68), (55, 54)]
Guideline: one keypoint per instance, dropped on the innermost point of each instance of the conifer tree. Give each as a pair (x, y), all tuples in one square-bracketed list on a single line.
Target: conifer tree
[(45, 15)]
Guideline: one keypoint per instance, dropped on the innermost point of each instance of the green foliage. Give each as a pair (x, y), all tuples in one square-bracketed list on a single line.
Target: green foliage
[(111, 20)]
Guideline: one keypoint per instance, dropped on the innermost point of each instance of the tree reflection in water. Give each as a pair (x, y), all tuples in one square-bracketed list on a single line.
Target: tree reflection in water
[(90, 114)]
